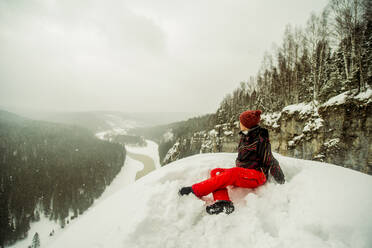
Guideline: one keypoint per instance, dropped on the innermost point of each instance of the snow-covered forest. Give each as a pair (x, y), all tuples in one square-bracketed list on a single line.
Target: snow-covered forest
[(52, 170), (330, 55)]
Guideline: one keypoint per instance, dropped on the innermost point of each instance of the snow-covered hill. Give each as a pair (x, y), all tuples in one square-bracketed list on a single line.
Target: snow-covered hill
[(321, 205)]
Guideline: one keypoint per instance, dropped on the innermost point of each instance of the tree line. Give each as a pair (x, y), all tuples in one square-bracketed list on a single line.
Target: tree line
[(330, 55)]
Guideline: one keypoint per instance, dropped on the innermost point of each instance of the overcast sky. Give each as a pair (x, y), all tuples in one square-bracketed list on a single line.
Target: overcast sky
[(136, 56)]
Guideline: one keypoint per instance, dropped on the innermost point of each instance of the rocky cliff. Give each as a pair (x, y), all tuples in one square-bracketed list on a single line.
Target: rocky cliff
[(337, 131)]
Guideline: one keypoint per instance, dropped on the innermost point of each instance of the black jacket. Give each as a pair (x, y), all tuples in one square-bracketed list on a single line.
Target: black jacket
[(254, 152)]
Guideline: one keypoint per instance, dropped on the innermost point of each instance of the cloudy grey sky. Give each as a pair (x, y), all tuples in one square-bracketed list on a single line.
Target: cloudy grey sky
[(136, 56)]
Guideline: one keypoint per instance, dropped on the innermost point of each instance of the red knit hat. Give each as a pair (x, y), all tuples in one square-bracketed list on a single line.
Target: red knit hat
[(250, 118)]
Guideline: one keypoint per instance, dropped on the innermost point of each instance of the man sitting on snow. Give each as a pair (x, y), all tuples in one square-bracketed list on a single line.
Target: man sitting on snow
[(253, 164)]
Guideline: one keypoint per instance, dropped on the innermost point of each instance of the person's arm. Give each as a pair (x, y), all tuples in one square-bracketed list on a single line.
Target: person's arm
[(276, 171), (270, 162)]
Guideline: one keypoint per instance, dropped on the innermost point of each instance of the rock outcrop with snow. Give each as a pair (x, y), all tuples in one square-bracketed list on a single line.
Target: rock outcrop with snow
[(337, 131)]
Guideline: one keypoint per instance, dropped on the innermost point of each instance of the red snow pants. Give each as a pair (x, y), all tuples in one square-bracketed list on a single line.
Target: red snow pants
[(221, 178)]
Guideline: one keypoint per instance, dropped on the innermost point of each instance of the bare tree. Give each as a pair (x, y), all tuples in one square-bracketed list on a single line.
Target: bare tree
[(317, 36), (347, 18)]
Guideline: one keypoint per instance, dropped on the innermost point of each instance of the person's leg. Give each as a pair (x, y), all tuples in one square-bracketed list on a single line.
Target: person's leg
[(248, 178), (220, 179), (214, 172), (217, 183), (220, 194), (245, 178), (222, 200)]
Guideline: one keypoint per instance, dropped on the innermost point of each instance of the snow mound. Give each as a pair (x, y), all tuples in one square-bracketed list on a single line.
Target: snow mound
[(320, 205), (363, 96)]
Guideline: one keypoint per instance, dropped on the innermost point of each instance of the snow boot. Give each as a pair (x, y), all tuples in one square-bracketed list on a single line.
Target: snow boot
[(220, 206), (185, 191)]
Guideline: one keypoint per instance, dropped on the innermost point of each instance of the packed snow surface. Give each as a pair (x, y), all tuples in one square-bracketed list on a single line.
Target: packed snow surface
[(320, 205)]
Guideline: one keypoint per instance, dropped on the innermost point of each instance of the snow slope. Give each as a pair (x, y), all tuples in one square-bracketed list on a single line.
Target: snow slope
[(321, 205), (126, 176)]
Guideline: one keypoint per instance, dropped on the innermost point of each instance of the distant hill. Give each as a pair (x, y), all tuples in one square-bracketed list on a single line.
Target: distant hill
[(97, 121), (8, 117)]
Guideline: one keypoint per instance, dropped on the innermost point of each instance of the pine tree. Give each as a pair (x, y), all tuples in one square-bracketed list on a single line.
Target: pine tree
[(35, 241)]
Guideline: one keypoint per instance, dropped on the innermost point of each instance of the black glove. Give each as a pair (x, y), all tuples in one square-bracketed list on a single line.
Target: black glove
[(185, 191)]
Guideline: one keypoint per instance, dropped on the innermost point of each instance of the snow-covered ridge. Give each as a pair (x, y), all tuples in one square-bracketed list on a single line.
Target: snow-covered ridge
[(311, 108), (302, 108), (320, 205), (364, 96), (172, 151)]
